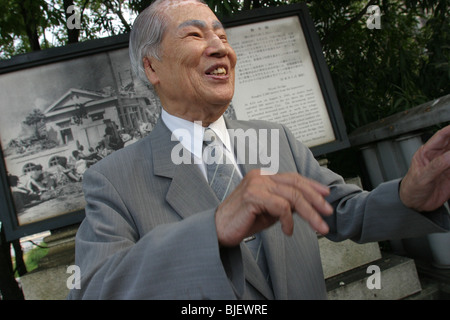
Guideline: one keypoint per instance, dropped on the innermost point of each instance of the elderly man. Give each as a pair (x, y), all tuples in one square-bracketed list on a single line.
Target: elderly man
[(155, 229)]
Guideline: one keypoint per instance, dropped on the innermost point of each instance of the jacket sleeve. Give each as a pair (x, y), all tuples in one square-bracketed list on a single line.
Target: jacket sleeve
[(367, 216), (116, 263)]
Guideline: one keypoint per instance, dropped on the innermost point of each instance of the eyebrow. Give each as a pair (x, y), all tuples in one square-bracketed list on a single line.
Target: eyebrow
[(200, 24)]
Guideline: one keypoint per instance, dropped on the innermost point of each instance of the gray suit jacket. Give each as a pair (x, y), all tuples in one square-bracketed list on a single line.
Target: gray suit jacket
[(149, 231)]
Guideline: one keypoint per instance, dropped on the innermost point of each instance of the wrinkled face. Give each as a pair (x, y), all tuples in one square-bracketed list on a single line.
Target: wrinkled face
[(195, 76)]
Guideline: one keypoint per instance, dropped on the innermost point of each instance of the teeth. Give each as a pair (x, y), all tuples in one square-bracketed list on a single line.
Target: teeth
[(219, 71)]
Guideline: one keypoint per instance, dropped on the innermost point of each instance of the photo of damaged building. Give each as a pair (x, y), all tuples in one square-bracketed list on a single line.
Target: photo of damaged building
[(78, 129)]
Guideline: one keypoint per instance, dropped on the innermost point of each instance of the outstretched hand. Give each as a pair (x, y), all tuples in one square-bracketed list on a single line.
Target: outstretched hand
[(261, 200), (426, 186)]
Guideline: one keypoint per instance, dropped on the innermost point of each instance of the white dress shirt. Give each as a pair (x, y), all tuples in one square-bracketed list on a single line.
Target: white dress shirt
[(190, 134)]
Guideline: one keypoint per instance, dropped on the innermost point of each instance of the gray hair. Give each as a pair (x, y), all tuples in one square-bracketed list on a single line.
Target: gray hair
[(146, 37)]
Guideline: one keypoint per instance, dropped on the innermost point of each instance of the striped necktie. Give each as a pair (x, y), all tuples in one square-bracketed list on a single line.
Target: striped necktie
[(222, 175), (223, 178)]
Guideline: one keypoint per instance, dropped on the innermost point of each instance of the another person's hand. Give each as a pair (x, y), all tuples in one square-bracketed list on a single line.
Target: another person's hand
[(426, 186), (261, 200)]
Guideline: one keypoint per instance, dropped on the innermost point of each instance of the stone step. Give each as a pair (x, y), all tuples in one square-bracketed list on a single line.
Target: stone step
[(45, 284), (339, 257), (430, 291), (397, 276)]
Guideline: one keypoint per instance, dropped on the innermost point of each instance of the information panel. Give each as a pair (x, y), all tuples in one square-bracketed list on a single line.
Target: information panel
[(276, 79)]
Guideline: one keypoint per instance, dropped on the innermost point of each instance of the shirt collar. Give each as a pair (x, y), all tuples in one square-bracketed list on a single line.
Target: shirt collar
[(190, 134)]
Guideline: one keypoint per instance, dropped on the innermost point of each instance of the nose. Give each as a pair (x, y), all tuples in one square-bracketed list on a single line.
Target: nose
[(216, 47)]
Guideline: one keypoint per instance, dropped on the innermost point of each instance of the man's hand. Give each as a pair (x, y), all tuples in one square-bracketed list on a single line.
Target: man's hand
[(261, 200), (426, 186)]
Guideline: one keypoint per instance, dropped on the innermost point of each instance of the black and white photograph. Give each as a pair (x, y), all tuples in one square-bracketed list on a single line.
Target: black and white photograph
[(58, 119)]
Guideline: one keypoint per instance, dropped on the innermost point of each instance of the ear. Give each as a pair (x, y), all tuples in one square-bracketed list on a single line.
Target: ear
[(149, 71)]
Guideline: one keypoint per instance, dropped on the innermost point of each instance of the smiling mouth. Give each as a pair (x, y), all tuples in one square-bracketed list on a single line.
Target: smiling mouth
[(220, 71)]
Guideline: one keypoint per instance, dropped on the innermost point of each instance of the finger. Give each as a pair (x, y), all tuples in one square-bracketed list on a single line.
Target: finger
[(300, 187), (438, 144), (438, 166), (269, 207), (251, 207), (305, 210), (440, 137), (308, 207), (427, 188)]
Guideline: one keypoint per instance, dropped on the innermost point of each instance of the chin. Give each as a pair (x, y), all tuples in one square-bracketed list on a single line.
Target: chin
[(215, 111), (222, 104), (222, 99)]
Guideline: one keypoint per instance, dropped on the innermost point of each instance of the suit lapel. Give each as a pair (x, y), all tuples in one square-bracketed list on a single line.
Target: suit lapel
[(273, 240), (188, 192), (253, 273)]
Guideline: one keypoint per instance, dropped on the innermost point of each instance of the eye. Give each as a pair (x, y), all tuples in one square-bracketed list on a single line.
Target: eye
[(194, 34), (223, 37)]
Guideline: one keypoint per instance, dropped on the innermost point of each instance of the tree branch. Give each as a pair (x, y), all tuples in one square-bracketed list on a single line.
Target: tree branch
[(118, 12)]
